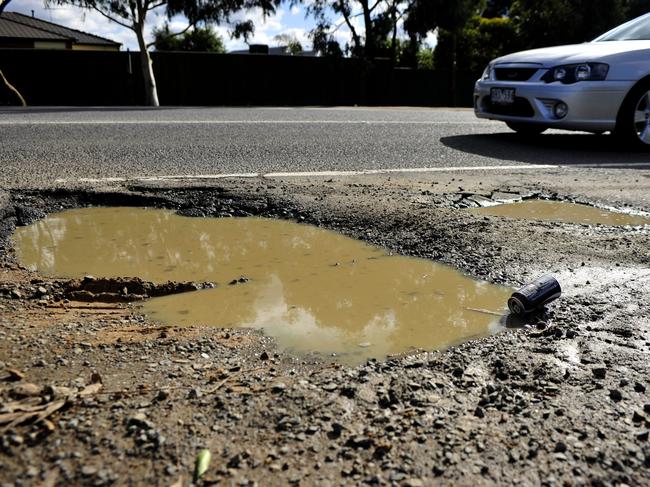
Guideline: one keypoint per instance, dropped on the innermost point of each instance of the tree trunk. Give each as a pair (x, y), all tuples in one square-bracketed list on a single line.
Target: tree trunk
[(454, 68), (355, 37), (150, 90), (3, 4), (370, 38), (11, 88), (393, 45)]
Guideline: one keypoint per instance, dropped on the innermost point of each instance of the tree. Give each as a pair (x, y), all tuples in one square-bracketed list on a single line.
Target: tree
[(542, 23), (9, 86), (291, 41), (635, 8), (325, 44), (132, 14), (481, 40), (203, 39), (497, 8), (380, 23), (424, 16), (450, 16)]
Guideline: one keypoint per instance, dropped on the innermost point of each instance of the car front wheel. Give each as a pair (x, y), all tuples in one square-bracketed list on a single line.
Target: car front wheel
[(527, 129), (633, 124)]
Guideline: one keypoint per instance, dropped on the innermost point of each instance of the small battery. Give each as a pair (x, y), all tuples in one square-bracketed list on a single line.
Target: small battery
[(535, 295)]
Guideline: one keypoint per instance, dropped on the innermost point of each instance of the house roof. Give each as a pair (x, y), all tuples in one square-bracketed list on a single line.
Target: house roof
[(19, 26)]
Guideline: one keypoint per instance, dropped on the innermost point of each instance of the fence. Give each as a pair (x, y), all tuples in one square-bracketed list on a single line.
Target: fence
[(84, 78)]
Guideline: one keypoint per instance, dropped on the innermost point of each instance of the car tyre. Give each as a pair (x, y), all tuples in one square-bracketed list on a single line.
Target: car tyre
[(633, 121), (526, 129)]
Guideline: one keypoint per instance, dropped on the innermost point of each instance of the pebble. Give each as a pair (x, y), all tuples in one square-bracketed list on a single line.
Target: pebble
[(560, 447), (278, 387), (88, 471), (615, 395), (637, 418), (194, 393), (599, 372)]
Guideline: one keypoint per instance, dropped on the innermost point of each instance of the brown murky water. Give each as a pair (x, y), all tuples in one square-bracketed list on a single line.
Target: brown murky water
[(558, 211), (312, 290)]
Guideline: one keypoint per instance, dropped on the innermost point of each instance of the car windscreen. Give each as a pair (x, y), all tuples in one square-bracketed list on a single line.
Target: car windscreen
[(634, 30)]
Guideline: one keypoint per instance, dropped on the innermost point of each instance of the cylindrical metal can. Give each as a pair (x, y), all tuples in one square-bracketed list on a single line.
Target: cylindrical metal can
[(535, 295)]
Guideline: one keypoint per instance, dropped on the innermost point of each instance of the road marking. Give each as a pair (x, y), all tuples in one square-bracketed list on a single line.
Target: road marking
[(611, 165), (364, 172), (245, 122)]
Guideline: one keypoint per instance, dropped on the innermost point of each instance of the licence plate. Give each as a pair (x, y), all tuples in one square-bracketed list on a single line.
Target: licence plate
[(502, 96)]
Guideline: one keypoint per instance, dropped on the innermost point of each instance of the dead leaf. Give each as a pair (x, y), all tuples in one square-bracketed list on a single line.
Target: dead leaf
[(26, 390), (50, 478), (14, 419), (59, 392), (178, 483), (25, 405), (48, 425), (50, 408), (91, 389), (10, 417), (12, 375)]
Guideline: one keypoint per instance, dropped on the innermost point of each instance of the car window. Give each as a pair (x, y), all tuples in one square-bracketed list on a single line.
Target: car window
[(634, 30)]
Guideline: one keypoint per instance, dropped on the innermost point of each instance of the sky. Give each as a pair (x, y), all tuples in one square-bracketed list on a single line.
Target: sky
[(286, 20)]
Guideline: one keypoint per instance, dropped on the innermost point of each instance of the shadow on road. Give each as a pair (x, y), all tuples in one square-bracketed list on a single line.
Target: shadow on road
[(565, 149)]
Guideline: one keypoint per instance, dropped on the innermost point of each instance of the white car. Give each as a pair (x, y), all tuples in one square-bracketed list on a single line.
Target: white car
[(598, 86)]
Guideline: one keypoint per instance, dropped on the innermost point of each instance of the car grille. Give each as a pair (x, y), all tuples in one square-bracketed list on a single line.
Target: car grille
[(520, 108), (514, 74)]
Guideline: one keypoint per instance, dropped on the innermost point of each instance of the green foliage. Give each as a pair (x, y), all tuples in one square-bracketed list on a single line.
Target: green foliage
[(497, 8), (479, 42), (635, 8), (379, 20), (425, 58), (198, 39), (543, 23), (424, 16), (132, 13), (325, 45), (291, 41), (467, 41), (402, 52)]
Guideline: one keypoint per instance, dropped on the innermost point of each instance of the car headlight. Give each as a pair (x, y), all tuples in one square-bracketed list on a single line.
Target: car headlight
[(572, 73), (487, 73)]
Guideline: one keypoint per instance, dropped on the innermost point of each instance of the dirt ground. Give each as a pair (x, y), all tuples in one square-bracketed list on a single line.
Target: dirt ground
[(92, 393)]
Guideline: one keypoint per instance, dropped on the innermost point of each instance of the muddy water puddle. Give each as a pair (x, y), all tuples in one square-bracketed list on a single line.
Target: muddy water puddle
[(312, 290), (558, 211)]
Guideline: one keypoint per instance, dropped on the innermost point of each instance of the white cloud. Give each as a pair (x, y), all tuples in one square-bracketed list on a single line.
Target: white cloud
[(286, 20), (93, 22)]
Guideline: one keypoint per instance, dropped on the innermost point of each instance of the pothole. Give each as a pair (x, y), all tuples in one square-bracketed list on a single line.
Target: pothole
[(559, 211), (313, 290)]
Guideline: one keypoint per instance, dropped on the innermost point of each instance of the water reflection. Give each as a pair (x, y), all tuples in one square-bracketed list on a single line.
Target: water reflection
[(313, 290), (559, 211)]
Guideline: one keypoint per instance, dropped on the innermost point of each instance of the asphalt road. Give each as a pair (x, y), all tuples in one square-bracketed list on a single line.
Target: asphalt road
[(40, 146)]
